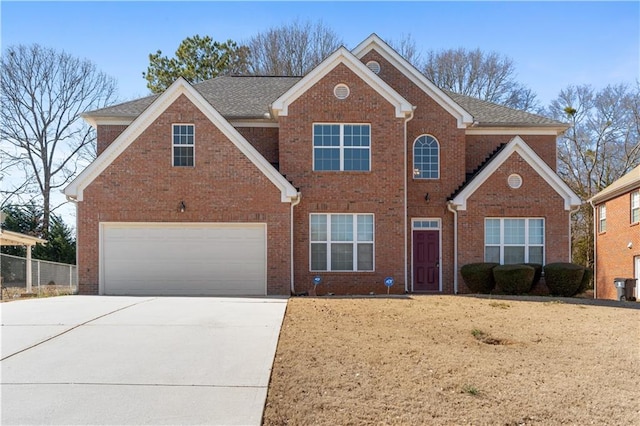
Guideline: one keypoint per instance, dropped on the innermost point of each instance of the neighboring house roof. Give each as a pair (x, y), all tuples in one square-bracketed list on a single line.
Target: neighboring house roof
[(516, 145), (342, 56), (151, 113), (626, 183), (10, 238)]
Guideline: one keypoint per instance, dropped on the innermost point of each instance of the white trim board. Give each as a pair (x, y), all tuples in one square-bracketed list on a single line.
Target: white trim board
[(143, 121)]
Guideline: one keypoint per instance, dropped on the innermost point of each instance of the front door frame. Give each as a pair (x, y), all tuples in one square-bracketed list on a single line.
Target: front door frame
[(427, 224)]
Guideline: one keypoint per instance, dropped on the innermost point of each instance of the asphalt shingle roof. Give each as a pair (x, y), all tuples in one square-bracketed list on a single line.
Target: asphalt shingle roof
[(249, 97)]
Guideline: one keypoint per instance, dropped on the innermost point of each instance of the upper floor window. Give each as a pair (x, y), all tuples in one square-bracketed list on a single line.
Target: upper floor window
[(341, 242), (426, 158), (602, 218), (342, 147), (635, 207), (183, 145), (517, 240)]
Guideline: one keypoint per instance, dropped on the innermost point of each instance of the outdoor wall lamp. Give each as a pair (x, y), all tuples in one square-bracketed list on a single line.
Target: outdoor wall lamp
[(182, 207), (426, 197)]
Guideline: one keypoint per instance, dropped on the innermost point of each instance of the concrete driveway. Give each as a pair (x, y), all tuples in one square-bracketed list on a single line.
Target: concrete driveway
[(137, 360)]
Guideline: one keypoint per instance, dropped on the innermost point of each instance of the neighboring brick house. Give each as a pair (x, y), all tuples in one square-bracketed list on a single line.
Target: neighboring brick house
[(616, 212), (362, 169)]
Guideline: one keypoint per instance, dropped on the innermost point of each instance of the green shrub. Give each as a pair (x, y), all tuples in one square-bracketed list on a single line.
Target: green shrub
[(563, 279), (538, 273), (587, 281), (514, 279), (478, 277)]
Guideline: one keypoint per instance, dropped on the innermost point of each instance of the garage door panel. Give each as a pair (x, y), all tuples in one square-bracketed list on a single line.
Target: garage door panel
[(184, 259)]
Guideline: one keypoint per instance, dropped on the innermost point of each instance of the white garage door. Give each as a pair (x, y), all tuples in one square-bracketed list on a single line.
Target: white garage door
[(183, 259)]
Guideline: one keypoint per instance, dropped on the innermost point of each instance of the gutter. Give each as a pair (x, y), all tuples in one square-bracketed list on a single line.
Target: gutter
[(455, 246), (406, 219), (73, 200)]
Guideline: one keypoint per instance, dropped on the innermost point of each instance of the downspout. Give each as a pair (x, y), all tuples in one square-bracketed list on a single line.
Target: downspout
[(595, 244), (406, 223), (293, 204), (455, 246)]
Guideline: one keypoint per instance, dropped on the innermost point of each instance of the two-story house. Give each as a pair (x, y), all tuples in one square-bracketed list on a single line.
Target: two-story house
[(361, 170), (617, 235)]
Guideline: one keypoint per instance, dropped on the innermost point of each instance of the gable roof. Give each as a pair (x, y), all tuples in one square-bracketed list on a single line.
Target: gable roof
[(342, 56), (519, 146), (150, 114), (373, 42), (626, 183), (237, 97), (491, 115)]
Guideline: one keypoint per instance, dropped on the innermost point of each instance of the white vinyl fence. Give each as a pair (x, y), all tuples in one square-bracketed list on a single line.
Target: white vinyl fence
[(13, 270)]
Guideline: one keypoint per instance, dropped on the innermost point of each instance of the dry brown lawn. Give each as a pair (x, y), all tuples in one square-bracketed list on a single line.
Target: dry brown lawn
[(455, 360), (16, 293)]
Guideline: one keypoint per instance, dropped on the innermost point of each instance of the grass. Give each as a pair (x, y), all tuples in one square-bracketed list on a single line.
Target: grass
[(17, 293), (417, 360)]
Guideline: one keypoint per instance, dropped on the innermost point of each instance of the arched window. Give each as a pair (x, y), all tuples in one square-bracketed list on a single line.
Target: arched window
[(426, 158)]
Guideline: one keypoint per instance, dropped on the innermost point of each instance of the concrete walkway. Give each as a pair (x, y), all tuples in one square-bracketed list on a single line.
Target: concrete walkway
[(137, 360)]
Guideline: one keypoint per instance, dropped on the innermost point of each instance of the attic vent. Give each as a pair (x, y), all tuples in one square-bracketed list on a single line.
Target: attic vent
[(341, 91), (373, 66), (515, 181)]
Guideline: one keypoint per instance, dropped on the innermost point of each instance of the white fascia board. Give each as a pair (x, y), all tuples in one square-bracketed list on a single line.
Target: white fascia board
[(108, 121), (342, 56), (462, 116), (514, 131), (141, 123), (519, 146), (254, 123)]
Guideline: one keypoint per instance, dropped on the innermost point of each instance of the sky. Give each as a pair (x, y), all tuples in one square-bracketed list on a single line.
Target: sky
[(553, 44)]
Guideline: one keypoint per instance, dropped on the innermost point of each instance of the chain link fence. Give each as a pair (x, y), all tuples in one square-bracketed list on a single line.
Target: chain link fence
[(13, 270)]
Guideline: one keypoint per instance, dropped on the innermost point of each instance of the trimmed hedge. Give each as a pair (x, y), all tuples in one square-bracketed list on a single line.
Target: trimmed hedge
[(478, 277), (538, 273), (564, 279), (514, 279)]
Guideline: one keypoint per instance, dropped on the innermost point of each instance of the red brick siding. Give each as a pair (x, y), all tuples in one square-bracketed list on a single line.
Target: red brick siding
[(494, 198), (429, 118), (379, 191), (479, 147), (264, 139), (613, 258), (107, 134), (224, 186)]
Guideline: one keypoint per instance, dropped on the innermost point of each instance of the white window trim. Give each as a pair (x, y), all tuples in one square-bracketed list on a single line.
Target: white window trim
[(634, 206), (354, 242), (526, 244), (602, 218), (416, 220), (341, 147), (173, 125), (414, 158)]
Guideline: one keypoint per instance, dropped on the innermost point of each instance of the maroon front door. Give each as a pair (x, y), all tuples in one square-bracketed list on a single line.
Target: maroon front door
[(426, 265)]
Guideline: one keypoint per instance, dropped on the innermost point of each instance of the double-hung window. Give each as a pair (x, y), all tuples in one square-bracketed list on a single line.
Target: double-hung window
[(341, 147), (635, 207), (510, 241), (602, 218), (183, 145), (341, 242)]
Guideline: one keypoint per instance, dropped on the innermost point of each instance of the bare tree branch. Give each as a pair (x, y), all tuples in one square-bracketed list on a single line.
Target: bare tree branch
[(43, 94)]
